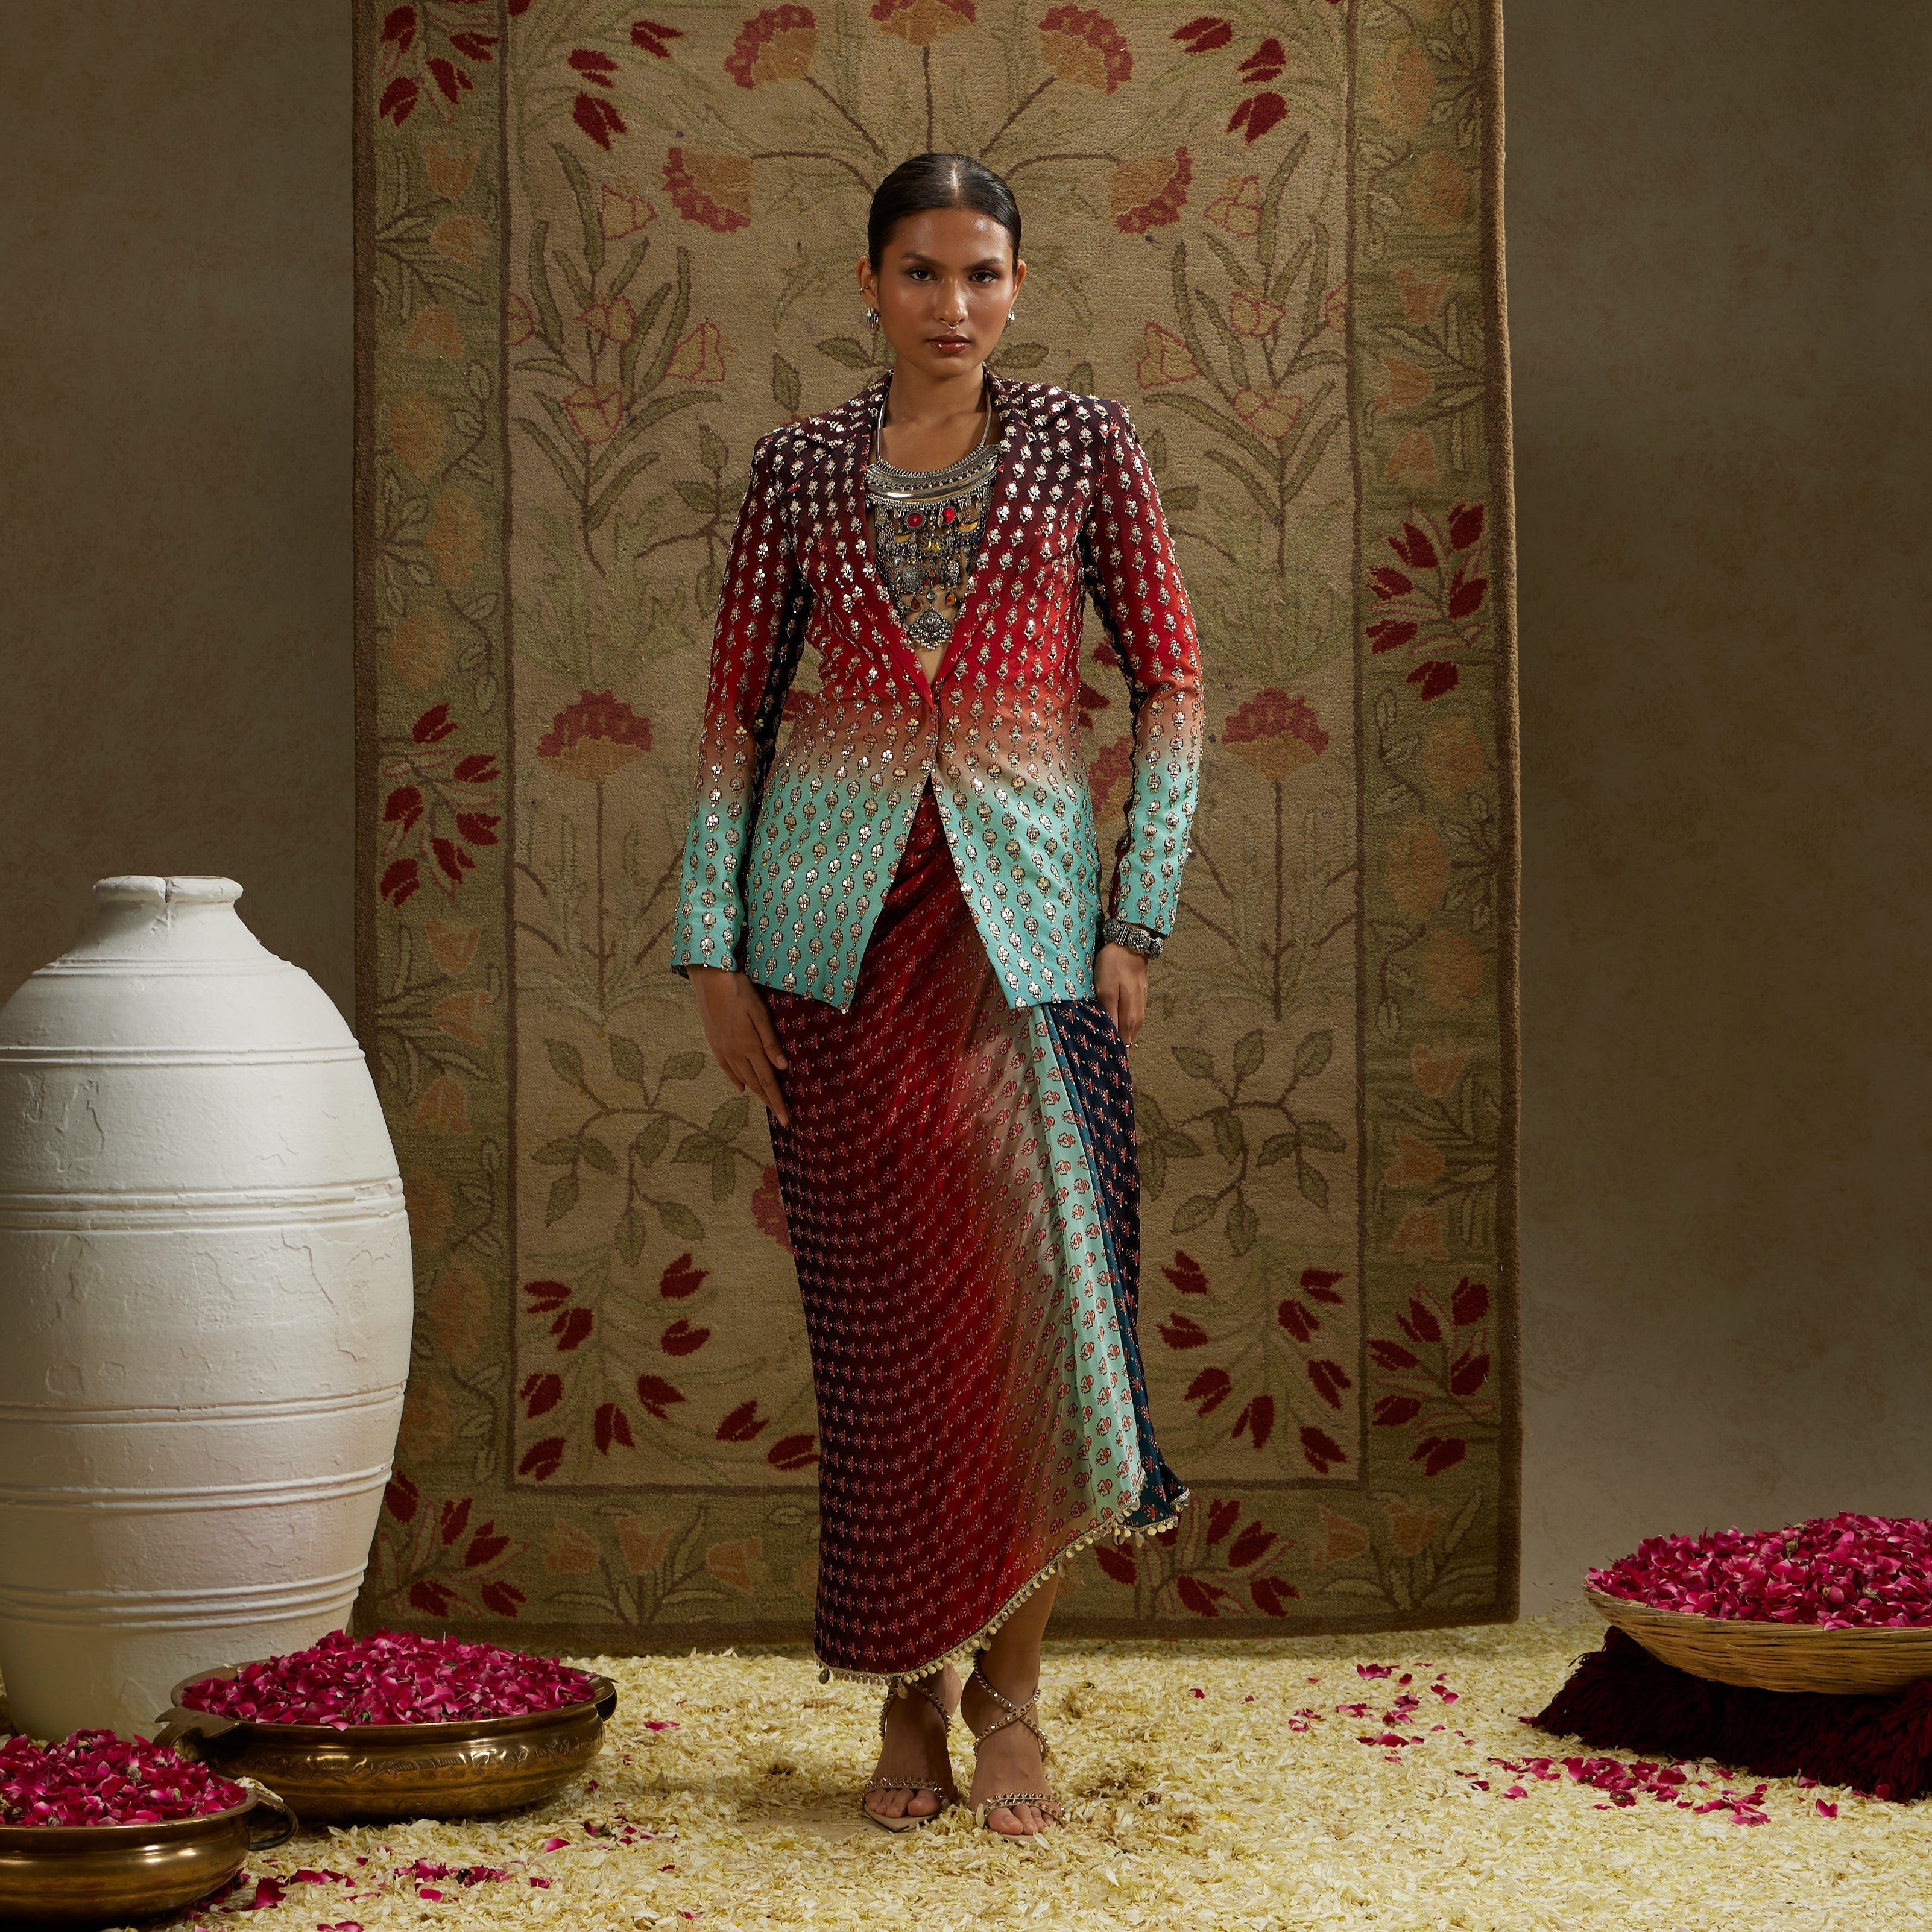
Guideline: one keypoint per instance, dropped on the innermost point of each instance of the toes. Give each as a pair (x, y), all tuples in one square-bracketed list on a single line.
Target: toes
[(1016, 1821)]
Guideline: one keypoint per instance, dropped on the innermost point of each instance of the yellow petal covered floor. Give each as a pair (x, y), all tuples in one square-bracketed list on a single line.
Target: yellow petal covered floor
[(1198, 1799)]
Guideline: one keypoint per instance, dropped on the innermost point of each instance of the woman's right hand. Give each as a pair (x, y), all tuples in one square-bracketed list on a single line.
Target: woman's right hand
[(738, 1029)]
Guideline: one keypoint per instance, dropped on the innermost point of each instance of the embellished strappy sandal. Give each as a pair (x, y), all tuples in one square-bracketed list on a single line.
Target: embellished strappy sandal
[(1015, 1713), (947, 1793)]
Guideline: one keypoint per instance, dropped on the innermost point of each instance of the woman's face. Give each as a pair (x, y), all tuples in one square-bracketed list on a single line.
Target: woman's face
[(945, 282)]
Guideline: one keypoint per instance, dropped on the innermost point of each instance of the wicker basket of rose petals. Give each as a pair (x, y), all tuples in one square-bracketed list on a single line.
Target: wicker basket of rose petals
[(394, 1726), (1840, 1603), (99, 1827)]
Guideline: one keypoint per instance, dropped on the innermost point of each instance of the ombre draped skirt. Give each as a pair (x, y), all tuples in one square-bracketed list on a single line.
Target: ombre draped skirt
[(960, 1182)]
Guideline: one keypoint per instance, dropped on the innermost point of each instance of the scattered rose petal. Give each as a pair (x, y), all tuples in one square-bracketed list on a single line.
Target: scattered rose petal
[(1624, 1783)]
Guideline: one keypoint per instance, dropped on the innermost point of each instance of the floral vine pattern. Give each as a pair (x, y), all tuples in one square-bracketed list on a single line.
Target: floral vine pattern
[(594, 245)]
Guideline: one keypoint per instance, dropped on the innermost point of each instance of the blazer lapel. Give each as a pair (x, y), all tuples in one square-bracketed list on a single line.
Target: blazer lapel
[(846, 443), (1018, 440)]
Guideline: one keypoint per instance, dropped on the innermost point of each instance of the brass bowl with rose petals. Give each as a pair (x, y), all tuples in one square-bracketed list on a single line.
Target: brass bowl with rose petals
[(103, 1874), (465, 1767)]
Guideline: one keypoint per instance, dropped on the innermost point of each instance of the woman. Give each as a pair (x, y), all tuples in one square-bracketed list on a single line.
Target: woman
[(894, 928)]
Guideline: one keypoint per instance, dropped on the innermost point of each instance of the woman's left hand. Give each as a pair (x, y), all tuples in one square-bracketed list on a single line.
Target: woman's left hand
[(1120, 983)]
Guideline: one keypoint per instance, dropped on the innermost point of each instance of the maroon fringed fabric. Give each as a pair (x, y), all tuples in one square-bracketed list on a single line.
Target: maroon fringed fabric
[(1621, 1698)]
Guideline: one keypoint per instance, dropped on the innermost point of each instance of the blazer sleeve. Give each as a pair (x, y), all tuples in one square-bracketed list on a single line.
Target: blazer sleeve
[(1127, 558), (763, 606)]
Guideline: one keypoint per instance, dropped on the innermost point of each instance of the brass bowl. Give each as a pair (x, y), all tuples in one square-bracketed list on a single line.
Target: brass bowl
[(102, 1874), (460, 1769)]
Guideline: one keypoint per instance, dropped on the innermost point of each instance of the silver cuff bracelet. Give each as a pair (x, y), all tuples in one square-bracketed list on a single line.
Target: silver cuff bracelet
[(1140, 939)]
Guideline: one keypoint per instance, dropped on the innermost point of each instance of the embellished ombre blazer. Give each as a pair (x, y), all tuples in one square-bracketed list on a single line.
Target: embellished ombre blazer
[(792, 848)]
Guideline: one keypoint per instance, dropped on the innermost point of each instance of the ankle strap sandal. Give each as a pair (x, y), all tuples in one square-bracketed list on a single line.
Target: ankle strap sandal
[(944, 1792), (1023, 1714)]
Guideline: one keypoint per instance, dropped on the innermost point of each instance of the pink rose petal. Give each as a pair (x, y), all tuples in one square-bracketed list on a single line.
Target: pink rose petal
[(390, 1678), (1844, 1572), (94, 1777), (1624, 1783)]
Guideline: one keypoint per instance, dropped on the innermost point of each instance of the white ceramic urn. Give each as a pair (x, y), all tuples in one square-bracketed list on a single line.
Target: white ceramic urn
[(205, 1309)]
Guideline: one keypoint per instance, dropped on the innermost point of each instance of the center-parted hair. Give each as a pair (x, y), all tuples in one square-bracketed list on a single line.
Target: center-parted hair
[(938, 181)]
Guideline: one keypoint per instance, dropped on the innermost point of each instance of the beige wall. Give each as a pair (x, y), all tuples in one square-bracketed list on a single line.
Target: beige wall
[(174, 464), (1721, 301), (1720, 296)]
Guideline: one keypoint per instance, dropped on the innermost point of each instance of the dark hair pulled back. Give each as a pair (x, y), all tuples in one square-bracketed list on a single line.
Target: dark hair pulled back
[(938, 181)]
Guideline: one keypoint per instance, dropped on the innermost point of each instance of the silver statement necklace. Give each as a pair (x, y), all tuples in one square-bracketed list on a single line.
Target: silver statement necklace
[(886, 482), (926, 528)]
